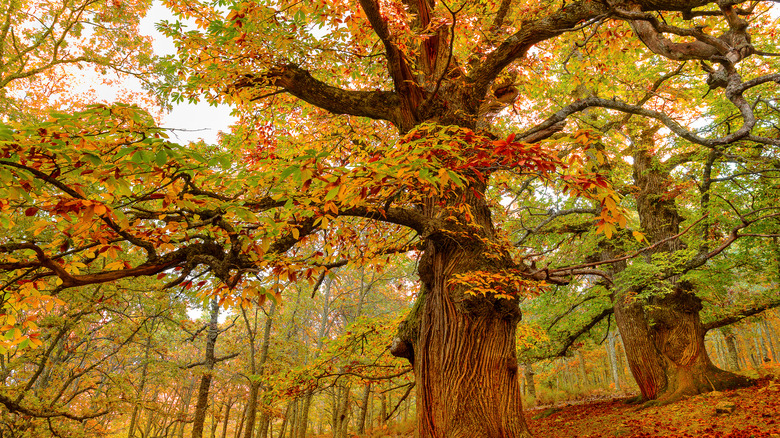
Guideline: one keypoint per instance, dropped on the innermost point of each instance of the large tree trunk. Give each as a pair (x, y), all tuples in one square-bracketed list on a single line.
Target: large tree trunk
[(662, 335), (667, 358), (462, 347)]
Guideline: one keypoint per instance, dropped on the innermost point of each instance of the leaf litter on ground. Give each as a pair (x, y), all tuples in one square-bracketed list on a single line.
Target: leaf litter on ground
[(752, 412)]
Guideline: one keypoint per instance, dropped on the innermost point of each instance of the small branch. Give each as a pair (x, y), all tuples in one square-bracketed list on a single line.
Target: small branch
[(566, 270), (216, 360), (406, 394), (731, 319)]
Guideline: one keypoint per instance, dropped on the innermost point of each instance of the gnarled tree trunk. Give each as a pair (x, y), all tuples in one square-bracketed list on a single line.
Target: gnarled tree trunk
[(664, 344), (663, 335), (462, 346)]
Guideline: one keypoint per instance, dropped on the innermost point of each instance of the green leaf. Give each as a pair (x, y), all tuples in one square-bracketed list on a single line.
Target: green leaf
[(161, 158)]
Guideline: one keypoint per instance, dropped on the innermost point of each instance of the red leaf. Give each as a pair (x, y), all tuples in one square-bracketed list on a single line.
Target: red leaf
[(31, 211)]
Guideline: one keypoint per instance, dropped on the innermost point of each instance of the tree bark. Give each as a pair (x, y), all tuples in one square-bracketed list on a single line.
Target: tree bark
[(613, 361), (185, 408), (769, 339), (262, 425), (135, 417), (528, 374), (205, 381), (240, 427), (730, 340), (227, 417), (215, 414), (256, 364), (462, 346), (663, 335), (361, 429), (341, 412), (303, 415)]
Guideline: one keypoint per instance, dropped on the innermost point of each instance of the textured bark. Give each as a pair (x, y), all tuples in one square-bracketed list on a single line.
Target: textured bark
[(341, 412), (383, 410), (663, 335), (462, 346)]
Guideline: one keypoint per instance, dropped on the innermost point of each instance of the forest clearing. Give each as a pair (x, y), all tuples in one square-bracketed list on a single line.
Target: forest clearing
[(427, 218)]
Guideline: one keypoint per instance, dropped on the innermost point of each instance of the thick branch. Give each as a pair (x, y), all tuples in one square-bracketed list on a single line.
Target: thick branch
[(531, 32), (161, 264), (569, 341), (12, 406), (735, 94), (380, 105)]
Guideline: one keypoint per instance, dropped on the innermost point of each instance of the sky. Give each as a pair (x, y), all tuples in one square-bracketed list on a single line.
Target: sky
[(188, 122)]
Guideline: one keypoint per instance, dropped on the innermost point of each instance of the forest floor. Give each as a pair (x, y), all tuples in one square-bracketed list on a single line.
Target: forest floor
[(752, 412)]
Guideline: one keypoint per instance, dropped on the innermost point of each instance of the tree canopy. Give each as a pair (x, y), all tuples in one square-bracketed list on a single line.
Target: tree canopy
[(510, 149)]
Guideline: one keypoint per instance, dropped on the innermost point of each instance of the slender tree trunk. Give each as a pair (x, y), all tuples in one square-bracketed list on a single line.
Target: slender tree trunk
[(758, 336), (361, 427), (769, 339), (256, 364), (729, 338), (227, 417), (215, 414), (185, 408), (240, 426), (262, 425), (303, 415), (383, 410), (149, 423), (205, 380), (342, 413), (613, 360), (141, 385), (528, 375), (583, 377), (285, 420), (251, 411)]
